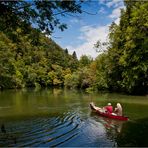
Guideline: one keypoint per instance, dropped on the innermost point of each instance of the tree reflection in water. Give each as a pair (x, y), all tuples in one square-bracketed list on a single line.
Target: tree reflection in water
[(134, 133), (5, 137)]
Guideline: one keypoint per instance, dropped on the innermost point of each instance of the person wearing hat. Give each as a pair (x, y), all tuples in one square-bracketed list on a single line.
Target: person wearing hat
[(108, 108)]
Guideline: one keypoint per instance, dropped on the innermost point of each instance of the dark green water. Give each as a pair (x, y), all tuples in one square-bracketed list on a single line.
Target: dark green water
[(63, 118)]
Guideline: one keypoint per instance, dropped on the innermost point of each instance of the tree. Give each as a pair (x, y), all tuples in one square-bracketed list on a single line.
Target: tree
[(43, 15), (74, 55), (66, 51), (125, 64), (85, 61), (71, 80), (24, 64)]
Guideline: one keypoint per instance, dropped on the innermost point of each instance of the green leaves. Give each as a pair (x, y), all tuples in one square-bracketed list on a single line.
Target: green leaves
[(44, 15), (132, 40), (32, 60), (125, 67)]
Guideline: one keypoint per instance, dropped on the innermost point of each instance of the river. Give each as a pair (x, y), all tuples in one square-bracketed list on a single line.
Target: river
[(62, 118)]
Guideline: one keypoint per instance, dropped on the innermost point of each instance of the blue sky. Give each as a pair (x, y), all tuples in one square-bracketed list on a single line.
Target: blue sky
[(85, 30)]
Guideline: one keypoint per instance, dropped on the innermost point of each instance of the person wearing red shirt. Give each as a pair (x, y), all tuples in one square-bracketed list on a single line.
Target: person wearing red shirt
[(108, 108)]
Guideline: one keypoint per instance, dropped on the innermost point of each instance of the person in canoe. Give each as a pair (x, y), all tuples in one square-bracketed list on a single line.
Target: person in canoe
[(93, 106), (109, 112), (118, 109), (105, 109), (108, 108)]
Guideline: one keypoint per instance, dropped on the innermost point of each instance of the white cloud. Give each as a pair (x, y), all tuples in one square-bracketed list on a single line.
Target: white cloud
[(102, 1), (90, 35), (117, 21), (112, 3), (77, 21), (74, 20), (102, 10), (115, 13)]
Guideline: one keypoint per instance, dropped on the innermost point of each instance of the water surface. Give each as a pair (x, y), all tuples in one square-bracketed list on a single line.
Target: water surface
[(63, 118)]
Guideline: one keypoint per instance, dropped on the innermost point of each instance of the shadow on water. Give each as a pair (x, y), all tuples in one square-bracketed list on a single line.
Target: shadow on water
[(134, 133), (125, 133), (3, 130), (4, 136)]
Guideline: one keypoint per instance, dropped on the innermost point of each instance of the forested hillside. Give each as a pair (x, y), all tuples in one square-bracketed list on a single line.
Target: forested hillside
[(30, 59), (27, 57)]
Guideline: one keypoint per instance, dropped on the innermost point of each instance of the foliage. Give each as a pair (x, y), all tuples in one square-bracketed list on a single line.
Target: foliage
[(30, 59), (24, 65), (85, 61), (71, 80), (44, 15), (126, 64)]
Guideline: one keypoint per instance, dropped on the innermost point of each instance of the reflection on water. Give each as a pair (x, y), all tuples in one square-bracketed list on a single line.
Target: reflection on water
[(112, 127), (67, 129), (40, 131), (134, 134), (109, 124), (55, 118)]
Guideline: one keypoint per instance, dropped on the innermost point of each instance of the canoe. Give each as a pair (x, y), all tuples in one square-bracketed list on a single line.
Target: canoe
[(108, 115)]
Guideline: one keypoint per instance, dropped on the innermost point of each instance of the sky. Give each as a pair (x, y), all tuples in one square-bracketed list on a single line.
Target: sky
[(84, 30)]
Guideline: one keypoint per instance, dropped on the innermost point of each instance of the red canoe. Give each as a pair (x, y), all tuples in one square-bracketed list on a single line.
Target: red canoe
[(123, 118)]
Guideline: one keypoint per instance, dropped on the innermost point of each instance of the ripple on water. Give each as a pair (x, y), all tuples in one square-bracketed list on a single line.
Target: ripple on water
[(71, 128), (51, 131)]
